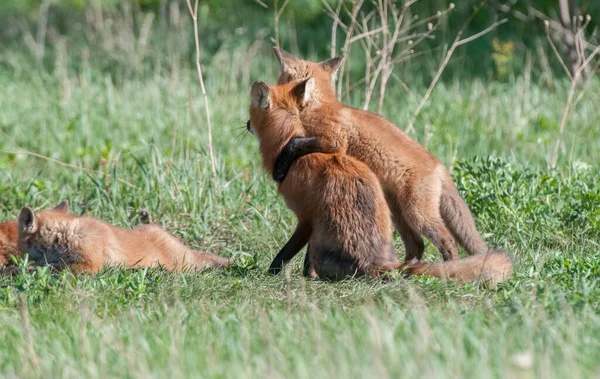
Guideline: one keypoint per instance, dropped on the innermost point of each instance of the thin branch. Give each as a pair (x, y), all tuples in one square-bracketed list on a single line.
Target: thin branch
[(334, 29), (482, 33), (194, 14), (457, 42), (556, 53), (567, 110), (278, 13)]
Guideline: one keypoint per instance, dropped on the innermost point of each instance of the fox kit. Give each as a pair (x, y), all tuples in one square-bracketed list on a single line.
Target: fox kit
[(339, 203), (419, 190), (85, 244)]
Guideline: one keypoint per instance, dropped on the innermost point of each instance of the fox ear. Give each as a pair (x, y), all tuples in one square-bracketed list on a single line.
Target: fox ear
[(259, 95), (304, 91), (332, 66), (283, 57), (63, 207), (27, 222)]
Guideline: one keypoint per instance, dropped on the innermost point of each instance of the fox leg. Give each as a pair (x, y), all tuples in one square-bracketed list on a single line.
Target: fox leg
[(423, 215), (413, 243), (308, 270), (292, 247)]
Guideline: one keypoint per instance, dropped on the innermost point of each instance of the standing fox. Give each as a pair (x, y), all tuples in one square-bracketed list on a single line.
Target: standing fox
[(339, 203), (419, 190), (85, 244)]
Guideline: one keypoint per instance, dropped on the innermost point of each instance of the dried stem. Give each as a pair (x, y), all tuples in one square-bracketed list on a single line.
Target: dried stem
[(457, 42), (567, 110), (278, 13), (194, 14)]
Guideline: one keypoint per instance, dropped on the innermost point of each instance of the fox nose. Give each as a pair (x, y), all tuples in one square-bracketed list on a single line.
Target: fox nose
[(248, 125)]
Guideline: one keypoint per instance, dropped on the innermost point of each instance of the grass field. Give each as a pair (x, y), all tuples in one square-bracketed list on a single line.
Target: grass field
[(145, 138)]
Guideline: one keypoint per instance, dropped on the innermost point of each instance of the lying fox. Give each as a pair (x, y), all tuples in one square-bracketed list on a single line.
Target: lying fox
[(419, 190), (339, 203), (85, 244)]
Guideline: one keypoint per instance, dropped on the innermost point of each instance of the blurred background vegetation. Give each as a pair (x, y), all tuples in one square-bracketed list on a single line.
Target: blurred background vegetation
[(125, 36)]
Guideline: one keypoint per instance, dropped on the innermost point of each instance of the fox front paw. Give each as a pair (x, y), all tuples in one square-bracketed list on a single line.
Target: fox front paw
[(273, 270)]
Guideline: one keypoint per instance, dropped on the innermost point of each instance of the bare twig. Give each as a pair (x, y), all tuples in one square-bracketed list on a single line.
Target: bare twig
[(556, 53), (457, 42), (567, 110), (334, 28), (278, 13), (261, 4), (194, 14)]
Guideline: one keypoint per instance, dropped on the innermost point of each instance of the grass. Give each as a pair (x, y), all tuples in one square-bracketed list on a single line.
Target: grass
[(149, 131)]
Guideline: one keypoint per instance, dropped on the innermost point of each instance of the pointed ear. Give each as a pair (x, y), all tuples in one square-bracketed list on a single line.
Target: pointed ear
[(259, 95), (332, 66), (27, 222), (304, 91), (63, 207), (283, 57)]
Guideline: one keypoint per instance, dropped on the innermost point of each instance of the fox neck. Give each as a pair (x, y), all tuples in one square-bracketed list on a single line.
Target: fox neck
[(272, 144)]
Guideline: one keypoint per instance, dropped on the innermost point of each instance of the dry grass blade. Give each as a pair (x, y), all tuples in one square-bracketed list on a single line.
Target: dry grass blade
[(194, 13)]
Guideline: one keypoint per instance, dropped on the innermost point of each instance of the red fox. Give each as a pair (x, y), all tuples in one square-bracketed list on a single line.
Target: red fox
[(419, 190), (84, 244), (339, 203)]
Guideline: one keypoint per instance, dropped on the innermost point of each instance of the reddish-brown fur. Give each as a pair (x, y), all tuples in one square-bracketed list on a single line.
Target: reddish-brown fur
[(419, 190), (85, 244), (339, 203), (8, 241)]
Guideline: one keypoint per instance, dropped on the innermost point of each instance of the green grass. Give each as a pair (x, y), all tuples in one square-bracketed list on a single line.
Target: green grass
[(149, 131)]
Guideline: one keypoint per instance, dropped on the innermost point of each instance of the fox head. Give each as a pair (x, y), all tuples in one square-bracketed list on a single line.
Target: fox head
[(39, 234), (294, 69), (275, 115)]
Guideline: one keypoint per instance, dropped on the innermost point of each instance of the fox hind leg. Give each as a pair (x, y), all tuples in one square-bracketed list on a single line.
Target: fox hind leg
[(308, 270), (423, 215), (413, 242)]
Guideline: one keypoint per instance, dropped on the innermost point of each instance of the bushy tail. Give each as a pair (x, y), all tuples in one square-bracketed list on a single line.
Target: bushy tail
[(458, 219), (488, 269)]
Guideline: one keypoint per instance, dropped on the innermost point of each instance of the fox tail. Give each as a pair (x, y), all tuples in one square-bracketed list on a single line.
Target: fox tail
[(488, 269)]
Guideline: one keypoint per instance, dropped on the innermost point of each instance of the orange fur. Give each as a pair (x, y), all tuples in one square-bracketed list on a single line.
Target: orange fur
[(8, 241), (419, 190), (85, 244), (339, 203)]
